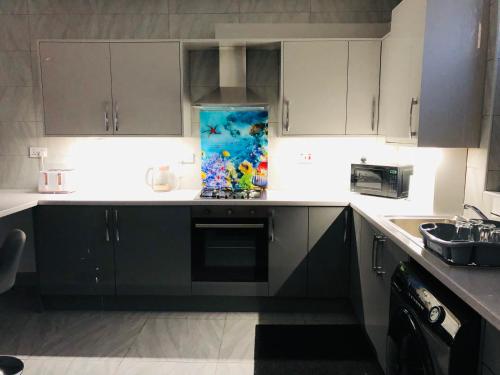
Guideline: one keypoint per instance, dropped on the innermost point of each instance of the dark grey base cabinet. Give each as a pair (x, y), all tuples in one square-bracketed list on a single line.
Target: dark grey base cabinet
[(95, 250)]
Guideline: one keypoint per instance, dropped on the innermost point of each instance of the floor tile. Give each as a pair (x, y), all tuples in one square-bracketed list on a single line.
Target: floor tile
[(268, 318), (187, 315), (143, 366), (179, 339), (47, 366), (238, 341), (331, 318)]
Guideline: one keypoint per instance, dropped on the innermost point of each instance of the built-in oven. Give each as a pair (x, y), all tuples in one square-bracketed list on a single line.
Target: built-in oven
[(229, 253)]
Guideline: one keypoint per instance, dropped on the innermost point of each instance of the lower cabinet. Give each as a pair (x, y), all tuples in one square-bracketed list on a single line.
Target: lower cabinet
[(288, 252), (95, 250), (378, 259), (75, 254)]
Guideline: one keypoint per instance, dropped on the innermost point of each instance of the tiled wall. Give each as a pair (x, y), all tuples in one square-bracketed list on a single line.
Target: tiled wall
[(483, 163), (22, 22)]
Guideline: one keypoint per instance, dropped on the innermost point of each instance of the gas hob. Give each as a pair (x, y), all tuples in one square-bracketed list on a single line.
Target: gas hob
[(210, 193)]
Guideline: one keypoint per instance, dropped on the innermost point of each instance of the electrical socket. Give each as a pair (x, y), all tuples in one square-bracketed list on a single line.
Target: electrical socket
[(304, 158), (38, 152)]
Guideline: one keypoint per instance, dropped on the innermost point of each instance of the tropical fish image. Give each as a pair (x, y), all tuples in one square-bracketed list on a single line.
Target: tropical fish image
[(234, 148)]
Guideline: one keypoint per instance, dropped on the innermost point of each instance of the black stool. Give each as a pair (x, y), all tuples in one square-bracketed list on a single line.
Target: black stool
[(10, 256)]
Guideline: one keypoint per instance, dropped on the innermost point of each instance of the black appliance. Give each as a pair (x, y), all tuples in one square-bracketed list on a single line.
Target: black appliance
[(381, 180), (431, 331), (229, 250)]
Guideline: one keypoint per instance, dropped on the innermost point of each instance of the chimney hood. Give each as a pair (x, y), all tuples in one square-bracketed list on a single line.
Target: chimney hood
[(232, 90)]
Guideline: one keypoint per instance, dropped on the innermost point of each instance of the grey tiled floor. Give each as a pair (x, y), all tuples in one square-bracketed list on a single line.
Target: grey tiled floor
[(130, 343)]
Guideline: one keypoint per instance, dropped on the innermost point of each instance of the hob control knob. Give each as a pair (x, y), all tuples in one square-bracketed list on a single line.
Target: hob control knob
[(252, 211), (229, 211), (206, 211)]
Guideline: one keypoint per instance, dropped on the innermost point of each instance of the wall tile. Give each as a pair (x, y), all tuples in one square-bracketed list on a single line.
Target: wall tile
[(350, 17), (99, 6), (198, 25), (122, 26), (263, 67), (18, 172), (204, 68), (16, 104), (474, 185), (15, 68), (494, 154), (14, 7), (203, 6), (271, 6), (14, 33), (16, 137), (493, 181), (350, 5), (274, 18)]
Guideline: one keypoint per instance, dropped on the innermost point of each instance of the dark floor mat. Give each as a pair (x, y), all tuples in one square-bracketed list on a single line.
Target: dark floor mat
[(313, 349)]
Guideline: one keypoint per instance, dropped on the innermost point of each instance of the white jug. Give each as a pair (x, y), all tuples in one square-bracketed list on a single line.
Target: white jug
[(160, 178)]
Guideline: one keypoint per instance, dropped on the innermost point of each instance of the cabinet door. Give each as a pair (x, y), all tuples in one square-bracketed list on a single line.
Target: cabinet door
[(152, 250), (363, 91), (76, 87), (491, 343), (146, 88), (328, 257), (288, 252), (315, 87), (374, 293), (74, 250)]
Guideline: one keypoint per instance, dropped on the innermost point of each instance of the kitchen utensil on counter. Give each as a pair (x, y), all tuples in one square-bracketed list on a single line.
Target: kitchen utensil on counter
[(57, 181), (161, 178)]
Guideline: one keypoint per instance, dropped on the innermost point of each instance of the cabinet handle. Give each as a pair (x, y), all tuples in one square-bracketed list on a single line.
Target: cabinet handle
[(116, 122), (374, 245), (271, 227), (106, 222), (117, 225), (379, 241), (373, 113), (286, 115), (414, 102), (106, 118)]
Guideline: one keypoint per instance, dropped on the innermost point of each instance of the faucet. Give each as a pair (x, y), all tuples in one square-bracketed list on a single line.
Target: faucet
[(476, 210)]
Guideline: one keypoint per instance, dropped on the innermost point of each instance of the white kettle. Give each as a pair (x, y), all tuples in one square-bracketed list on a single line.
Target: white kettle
[(161, 178)]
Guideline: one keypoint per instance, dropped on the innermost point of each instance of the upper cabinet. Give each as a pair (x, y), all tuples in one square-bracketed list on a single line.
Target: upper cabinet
[(314, 87), (331, 87), (363, 87), (102, 88), (432, 73)]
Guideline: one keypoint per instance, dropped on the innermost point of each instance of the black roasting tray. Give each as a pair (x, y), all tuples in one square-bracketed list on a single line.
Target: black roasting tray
[(441, 239)]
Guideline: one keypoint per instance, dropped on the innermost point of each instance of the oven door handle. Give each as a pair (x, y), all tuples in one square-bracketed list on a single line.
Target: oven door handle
[(229, 226)]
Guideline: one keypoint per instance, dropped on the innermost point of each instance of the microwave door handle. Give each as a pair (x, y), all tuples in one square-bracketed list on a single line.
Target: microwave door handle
[(228, 226)]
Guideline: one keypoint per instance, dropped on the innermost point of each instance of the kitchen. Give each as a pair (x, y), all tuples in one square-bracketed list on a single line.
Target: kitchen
[(126, 105)]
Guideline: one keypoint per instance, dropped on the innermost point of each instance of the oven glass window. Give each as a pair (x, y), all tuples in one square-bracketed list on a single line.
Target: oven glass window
[(230, 248), (369, 179)]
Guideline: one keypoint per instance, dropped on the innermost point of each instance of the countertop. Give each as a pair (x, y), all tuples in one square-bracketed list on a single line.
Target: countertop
[(480, 287)]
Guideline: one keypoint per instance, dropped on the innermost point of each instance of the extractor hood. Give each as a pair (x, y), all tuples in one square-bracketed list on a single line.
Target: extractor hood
[(232, 90)]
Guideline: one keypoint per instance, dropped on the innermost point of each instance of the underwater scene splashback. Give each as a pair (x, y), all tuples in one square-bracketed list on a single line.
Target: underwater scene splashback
[(234, 148)]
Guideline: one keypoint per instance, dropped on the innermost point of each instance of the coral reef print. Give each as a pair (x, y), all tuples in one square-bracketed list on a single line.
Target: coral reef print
[(234, 148)]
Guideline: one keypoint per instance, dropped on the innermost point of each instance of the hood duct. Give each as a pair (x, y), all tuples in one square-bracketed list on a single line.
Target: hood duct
[(232, 90)]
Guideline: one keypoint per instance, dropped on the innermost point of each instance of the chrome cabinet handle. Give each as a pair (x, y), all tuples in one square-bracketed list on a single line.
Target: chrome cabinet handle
[(106, 118), (117, 229), (286, 115), (373, 113), (374, 245), (116, 122), (379, 242), (414, 102), (271, 227), (106, 222)]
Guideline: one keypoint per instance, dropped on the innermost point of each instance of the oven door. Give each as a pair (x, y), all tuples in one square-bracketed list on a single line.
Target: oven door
[(229, 251), (368, 180)]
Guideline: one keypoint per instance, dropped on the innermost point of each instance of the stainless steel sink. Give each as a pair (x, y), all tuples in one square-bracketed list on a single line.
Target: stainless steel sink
[(410, 224)]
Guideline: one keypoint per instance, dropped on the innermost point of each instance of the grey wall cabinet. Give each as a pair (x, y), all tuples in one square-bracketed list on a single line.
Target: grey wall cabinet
[(288, 252), (378, 258), (117, 88), (314, 87), (432, 74), (74, 251), (76, 86), (95, 250), (328, 253), (146, 83), (363, 87), (152, 250), (491, 343)]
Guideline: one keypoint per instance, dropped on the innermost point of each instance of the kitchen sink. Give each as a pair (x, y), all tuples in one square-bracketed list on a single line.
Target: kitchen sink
[(410, 224)]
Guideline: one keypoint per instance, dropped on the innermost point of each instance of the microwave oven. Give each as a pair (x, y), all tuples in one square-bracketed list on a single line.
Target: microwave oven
[(381, 180)]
